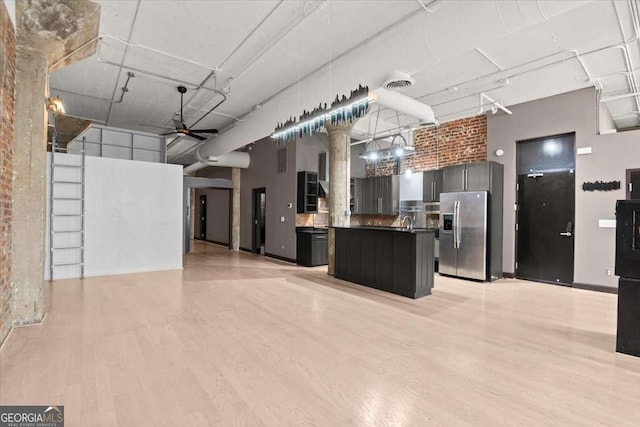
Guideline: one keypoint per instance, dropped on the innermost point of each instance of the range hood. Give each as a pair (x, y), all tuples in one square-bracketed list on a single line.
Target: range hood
[(323, 189)]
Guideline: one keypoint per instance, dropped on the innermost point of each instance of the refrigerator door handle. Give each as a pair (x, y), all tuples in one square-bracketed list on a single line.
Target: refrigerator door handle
[(454, 225), (459, 226)]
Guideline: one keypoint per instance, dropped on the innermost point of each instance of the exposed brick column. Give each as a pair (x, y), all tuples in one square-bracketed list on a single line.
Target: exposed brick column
[(7, 108), (50, 35), (339, 178)]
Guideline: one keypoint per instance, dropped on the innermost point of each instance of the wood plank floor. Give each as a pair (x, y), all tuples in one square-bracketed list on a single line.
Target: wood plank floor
[(236, 339)]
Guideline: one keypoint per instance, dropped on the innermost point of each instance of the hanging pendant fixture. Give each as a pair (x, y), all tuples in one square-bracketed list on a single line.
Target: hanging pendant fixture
[(342, 110)]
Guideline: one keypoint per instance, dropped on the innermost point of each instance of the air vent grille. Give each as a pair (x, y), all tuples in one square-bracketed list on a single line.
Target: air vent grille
[(398, 84), (398, 80), (282, 160)]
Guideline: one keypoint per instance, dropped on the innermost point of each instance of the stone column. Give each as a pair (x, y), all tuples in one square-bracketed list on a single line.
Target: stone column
[(235, 211), (339, 182), (28, 228), (50, 35)]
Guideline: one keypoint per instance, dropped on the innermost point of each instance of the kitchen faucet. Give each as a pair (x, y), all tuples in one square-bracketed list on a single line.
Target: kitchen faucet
[(410, 225)]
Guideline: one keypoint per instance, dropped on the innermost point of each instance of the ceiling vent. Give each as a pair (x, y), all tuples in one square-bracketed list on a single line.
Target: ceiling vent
[(398, 80)]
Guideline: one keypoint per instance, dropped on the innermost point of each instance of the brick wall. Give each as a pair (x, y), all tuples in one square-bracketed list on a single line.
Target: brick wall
[(452, 143), (7, 106)]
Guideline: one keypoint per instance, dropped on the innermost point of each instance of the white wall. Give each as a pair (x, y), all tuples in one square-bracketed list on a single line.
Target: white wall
[(133, 216)]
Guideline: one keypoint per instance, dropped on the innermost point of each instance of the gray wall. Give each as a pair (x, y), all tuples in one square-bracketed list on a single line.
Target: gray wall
[(357, 164), (612, 155), (308, 150), (281, 190), (218, 219)]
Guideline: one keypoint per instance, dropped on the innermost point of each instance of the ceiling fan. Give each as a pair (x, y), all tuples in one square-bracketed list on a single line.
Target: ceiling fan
[(181, 128)]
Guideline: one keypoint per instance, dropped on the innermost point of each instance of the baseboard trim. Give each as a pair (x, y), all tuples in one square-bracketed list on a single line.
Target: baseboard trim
[(245, 249), (215, 242), (281, 258), (508, 275), (597, 288)]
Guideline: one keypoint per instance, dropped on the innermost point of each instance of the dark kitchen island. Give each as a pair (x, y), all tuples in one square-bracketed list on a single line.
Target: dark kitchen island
[(387, 258)]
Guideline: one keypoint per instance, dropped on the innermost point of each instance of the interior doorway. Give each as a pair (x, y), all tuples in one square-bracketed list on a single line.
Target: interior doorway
[(546, 209), (259, 220), (633, 184), (203, 217)]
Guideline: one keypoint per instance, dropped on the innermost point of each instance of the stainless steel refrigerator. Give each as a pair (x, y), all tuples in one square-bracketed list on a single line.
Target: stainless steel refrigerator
[(463, 227)]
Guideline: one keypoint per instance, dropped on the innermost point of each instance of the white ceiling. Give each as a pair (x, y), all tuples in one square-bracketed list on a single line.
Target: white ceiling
[(260, 52)]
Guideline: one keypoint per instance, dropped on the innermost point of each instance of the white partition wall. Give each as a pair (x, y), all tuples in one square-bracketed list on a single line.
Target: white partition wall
[(133, 218)]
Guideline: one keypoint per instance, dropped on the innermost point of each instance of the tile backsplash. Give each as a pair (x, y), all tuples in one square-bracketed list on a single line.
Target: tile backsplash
[(320, 219)]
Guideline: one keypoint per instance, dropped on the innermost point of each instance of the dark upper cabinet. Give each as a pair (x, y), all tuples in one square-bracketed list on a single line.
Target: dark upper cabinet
[(478, 176), (377, 195), (431, 185), (307, 192), (357, 196), (481, 176), (453, 178)]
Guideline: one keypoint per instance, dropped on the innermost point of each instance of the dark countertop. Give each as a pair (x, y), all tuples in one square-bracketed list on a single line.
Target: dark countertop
[(312, 230), (395, 229)]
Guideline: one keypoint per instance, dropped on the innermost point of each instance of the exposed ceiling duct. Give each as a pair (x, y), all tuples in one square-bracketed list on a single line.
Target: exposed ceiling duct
[(234, 159), (404, 104)]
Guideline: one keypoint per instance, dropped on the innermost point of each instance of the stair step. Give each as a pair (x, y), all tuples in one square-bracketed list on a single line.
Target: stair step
[(59, 165), (66, 264)]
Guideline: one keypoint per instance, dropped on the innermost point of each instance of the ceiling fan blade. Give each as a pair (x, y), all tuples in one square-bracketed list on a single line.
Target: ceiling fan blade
[(204, 130), (198, 137), (170, 133)]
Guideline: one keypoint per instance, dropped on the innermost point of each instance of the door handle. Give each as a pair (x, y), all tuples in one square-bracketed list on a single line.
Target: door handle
[(459, 226), (566, 234), (433, 191)]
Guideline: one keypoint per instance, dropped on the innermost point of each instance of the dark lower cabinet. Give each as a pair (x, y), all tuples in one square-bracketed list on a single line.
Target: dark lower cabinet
[(628, 335), (312, 248), (393, 261)]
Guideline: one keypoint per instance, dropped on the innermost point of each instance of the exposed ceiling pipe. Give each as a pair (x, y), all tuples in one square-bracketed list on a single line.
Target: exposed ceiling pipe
[(235, 159), (246, 67), (280, 104), (495, 105)]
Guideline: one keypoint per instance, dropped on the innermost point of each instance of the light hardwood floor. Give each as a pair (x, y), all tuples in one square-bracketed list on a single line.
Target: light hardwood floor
[(236, 339)]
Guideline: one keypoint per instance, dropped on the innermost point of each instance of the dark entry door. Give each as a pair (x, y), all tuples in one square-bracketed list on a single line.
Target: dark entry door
[(203, 217), (546, 226), (259, 220), (633, 183)]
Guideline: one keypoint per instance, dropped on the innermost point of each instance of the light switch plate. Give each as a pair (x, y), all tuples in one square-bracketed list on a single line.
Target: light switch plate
[(281, 219), (607, 223)]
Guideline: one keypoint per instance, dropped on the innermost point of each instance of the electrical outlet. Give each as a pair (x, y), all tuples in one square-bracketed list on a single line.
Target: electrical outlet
[(281, 219), (609, 271)]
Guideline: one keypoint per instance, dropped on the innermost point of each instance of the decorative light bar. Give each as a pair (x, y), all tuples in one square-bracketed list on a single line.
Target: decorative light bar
[(342, 110)]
